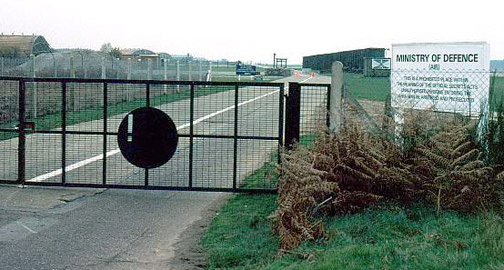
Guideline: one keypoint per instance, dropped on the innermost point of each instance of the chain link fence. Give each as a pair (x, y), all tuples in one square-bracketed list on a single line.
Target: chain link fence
[(468, 93), (95, 65)]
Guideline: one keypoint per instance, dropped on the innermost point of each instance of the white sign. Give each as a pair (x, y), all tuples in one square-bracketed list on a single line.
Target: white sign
[(380, 63), (447, 77)]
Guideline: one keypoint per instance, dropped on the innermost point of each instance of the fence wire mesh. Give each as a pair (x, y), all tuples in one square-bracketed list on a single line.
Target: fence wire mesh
[(314, 110), (97, 65), (453, 91)]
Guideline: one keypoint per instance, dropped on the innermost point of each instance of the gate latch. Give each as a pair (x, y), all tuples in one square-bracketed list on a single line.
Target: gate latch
[(29, 126)]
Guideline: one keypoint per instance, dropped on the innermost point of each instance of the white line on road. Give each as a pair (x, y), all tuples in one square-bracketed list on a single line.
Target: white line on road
[(305, 80), (26, 227), (85, 162)]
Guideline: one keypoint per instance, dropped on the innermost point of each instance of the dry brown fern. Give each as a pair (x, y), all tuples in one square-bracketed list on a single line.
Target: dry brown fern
[(348, 172), (338, 174), (456, 179)]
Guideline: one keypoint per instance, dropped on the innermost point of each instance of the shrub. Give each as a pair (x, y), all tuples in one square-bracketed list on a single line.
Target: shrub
[(350, 171)]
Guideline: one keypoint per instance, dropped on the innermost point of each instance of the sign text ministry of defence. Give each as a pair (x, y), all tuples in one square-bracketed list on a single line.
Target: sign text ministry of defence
[(446, 58)]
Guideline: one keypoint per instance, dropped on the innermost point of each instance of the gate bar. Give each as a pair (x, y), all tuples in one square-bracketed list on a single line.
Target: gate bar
[(147, 100), (21, 132), (191, 134), (293, 114), (63, 131), (281, 124), (235, 139), (105, 109)]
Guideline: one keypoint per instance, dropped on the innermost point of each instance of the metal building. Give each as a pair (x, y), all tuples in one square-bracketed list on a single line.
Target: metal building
[(352, 60), (22, 45)]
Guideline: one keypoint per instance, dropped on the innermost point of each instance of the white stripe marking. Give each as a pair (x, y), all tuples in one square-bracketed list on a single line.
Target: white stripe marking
[(85, 162), (305, 80), (24, 226)]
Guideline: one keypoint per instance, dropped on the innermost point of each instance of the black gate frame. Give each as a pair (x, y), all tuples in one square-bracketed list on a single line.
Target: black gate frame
[(291, 134)]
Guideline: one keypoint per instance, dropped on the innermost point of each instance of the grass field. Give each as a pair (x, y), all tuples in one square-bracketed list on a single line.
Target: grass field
[(386, 237), (377, 88), (392, 238), (370, 88)]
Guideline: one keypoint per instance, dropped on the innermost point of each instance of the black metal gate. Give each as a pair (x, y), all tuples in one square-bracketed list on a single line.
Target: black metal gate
[(63, 132)]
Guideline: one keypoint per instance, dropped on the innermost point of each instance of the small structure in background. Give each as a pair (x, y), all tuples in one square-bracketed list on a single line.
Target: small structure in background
[(352, 61), (376, 67), (140, 55), (279, 67), (243, 69), (23, 45)]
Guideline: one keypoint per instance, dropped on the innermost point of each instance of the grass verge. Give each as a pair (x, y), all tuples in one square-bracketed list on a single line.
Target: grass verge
[(386, 237), (392, 238)]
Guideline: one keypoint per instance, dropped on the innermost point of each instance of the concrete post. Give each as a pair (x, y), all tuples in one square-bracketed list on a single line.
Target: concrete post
[(200, 73), (129, 69), (336, 98), (128, 77), (55, 70), (103, 69), (178, 75), (189, 70), (209, 77), (34, 75), (165, 75), (149, 69), (2, 66), (177, 71), (118, 68), (72, 67)]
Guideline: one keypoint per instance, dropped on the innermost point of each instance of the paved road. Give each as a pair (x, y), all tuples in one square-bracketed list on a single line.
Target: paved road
[(61, 228)]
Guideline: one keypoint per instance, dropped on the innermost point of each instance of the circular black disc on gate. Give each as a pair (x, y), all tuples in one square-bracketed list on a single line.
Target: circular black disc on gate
[(147, 137)]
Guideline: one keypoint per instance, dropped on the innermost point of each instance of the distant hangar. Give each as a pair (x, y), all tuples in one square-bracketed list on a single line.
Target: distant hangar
[(23, 45), (352, 60)]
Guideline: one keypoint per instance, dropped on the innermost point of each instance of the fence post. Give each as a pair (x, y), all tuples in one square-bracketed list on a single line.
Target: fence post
[(336, 98), (200, 73), (34, 75), (149, 69), (2, 66), (72, 67), (178, 75), (189, 70), (209, 74), (55, 70), (129, 69), (165, 74), (103, 69), (292, 115)]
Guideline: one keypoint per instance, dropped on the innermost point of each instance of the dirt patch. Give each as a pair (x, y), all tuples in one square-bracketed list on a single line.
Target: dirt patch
[(189, 255)]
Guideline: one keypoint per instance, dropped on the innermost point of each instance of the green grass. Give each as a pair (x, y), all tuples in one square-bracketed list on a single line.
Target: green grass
[(389, 237), (267, 176), (370, 88), (393, 238), (377, 88), (240, 235)]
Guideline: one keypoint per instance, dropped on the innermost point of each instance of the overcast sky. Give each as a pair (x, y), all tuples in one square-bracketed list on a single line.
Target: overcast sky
[(253, 30)]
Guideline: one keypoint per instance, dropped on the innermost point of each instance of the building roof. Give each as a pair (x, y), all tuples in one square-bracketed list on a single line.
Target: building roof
[(136, 52), (17, 45)]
